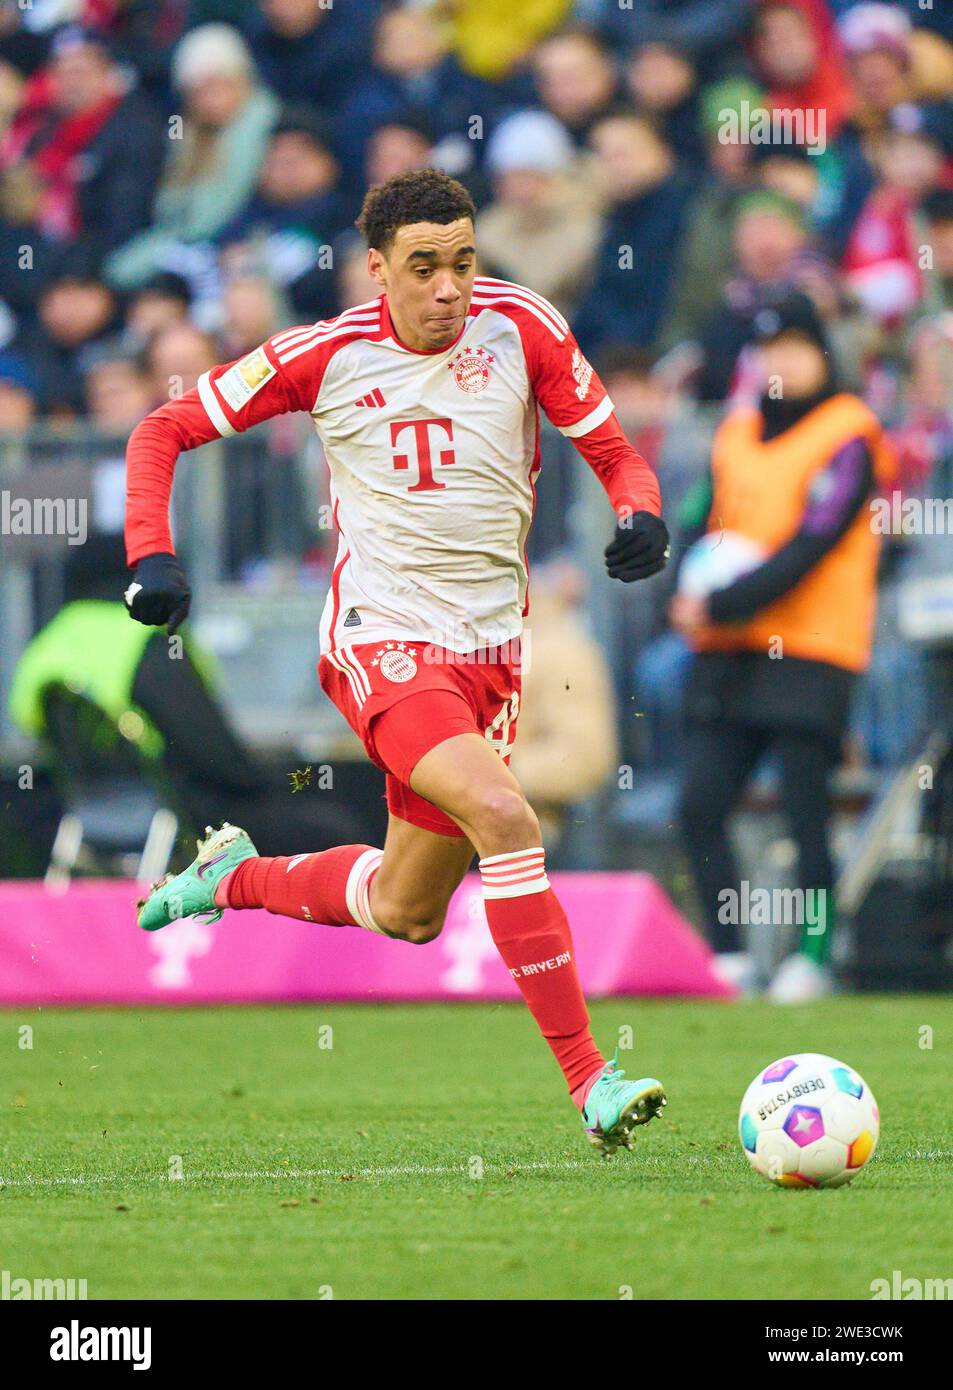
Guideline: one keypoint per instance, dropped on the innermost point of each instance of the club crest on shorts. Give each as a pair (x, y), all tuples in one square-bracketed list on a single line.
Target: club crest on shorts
[(396, 662), (471, 369)]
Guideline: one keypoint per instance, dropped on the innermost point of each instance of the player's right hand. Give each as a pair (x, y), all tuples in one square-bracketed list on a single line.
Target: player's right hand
[(159, 592)]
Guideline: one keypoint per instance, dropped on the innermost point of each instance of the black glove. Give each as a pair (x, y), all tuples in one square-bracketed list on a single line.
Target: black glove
[(639, 548), (159, 592)]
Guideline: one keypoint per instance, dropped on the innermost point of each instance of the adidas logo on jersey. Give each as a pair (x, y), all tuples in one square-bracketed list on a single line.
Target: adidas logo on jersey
[(353, 619), (375, 397)]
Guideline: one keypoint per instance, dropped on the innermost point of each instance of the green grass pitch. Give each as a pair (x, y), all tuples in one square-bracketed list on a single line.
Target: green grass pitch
[(431, 1152)]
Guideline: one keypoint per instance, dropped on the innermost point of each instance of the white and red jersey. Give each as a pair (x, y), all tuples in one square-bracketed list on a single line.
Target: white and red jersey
[(433, 457)]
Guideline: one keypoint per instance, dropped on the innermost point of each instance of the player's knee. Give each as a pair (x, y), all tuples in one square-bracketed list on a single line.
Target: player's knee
[(419, 933), (504, 820), (416, 926)]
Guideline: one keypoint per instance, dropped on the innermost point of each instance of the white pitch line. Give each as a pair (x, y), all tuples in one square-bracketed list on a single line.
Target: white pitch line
[(413, 1170), (271, 1174)]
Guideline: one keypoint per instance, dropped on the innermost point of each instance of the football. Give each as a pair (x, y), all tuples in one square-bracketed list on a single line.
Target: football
[(808, 1121)]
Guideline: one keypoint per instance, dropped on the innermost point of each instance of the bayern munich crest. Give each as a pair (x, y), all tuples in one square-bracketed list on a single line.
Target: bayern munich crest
[(396, 662), (471, 369)]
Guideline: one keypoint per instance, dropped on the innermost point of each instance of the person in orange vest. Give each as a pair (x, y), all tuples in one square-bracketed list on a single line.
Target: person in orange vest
[(778, 603)]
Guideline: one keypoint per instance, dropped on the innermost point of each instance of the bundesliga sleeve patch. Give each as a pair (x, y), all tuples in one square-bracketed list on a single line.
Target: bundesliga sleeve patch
[(582, 374), (239, 383)]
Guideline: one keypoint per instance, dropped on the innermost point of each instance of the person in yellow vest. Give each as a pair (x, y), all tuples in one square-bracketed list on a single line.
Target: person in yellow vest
[(778, 603)]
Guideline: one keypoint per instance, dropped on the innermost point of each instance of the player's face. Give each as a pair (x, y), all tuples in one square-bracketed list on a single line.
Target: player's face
[(428, 275)]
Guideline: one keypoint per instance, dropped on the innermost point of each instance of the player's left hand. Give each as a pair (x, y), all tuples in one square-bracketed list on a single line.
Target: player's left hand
[(639, 549)]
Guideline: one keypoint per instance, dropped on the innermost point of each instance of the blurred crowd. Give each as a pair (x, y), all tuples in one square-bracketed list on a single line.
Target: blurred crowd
[(179, 178)]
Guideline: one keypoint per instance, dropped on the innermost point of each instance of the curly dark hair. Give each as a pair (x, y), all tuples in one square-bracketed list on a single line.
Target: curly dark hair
[(422, 195)]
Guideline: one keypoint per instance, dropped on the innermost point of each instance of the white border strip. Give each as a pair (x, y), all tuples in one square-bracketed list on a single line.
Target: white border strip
[(589, 422), (212, 408)]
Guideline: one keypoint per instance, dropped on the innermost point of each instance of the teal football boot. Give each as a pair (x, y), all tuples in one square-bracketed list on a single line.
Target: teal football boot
[(614, 1107), (192, 892)]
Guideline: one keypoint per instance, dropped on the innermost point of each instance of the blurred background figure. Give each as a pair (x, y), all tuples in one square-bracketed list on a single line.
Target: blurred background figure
[(118, 393), (662, 81), (162, 302), (216, 151), (76, 311), (648, 199), (537, 231), (779, 643), (399, 145), (18, 394), (576, 79), (772, 251), (799, 59), (566, 750), (84, 144)]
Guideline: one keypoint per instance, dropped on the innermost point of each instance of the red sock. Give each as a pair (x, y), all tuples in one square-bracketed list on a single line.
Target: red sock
[(333, 887), (532, 935)]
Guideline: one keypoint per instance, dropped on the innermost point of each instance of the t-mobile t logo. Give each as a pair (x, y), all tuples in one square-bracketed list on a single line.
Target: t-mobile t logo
[(426, 482)]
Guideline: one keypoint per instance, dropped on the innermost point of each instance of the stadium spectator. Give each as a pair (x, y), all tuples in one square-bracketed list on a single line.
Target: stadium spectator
[(937, 213), (161, 302), (26, 257), (490, 37), (252, 308), (294, 215), (118, 393), (90, 143), (659, 420), (772, 251), (567, 702), (18, 394), (636, 259), (798, 57), (829, 188), (930, 18), (923, 434), (22, 50), (709, 29), (212, 167), (309, 51), (176, 358), (11, 93), (76, 311), (891, 62), (411, 67), (399, 145), (641, 395), (538, 231), (662, 82), (638, 249), (791, 171), (791, 477), (881, 263), (576, 80), (143, 35), (355, 285), (706, 254)]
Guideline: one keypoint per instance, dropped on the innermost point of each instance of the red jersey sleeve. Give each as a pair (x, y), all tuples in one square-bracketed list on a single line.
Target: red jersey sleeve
[(576, 402), (228, 399)]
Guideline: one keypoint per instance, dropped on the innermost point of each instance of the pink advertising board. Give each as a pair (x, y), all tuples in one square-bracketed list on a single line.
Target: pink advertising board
[(82, 947)]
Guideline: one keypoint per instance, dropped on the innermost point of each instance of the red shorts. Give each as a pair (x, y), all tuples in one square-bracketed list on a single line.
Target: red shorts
[(403, 698)]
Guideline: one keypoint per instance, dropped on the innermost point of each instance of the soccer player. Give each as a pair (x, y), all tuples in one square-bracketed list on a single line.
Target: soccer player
[(426, 401)]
